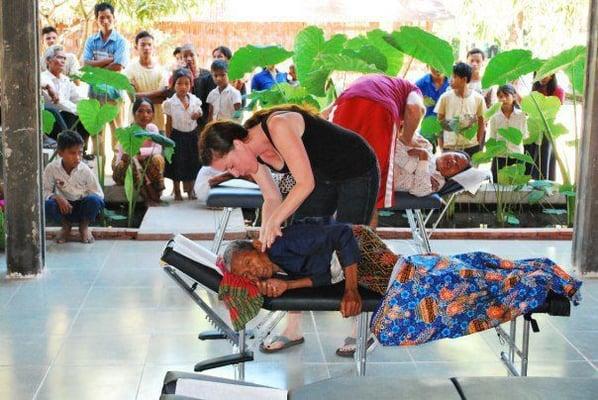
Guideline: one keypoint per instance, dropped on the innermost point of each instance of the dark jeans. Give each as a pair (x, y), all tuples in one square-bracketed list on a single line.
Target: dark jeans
[(545, 167), (88, 208), (353, 199), (66, 120)]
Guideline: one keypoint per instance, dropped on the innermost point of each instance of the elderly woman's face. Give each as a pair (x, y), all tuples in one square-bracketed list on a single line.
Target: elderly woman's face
[(252, 265), (240, 161), (56, 63)]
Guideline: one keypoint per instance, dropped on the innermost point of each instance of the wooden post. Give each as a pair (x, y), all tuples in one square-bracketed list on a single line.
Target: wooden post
[(21, 136), (585, 236)]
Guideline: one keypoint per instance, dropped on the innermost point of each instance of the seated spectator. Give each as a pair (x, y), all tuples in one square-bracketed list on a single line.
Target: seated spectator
[(148, 77), (267, 78), (458, 110), (419, 173), (148, 165), (224, 102), (49, 39), (72, 192), (60, 93)]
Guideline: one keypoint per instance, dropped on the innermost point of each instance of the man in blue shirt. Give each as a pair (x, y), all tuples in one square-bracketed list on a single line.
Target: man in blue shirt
[(432, 85), (267, 78), (106, 49)]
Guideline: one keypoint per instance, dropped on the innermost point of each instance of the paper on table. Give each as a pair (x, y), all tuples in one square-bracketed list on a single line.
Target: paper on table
[(195, 252), (211, 390)]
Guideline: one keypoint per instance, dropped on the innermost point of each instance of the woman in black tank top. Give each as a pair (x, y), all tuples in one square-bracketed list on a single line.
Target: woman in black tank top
[(335, 169)]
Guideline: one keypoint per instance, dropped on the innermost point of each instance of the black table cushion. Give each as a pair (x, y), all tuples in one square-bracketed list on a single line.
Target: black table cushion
[(234, 197)]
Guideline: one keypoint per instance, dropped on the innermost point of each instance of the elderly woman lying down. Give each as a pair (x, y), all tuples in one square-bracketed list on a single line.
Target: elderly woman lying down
[(427, 297)]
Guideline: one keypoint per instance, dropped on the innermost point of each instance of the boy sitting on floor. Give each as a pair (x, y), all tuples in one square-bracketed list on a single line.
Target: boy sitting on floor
[(421, 174), (71, 190)]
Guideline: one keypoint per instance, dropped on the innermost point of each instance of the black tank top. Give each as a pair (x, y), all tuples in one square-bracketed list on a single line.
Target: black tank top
[(335, 153)]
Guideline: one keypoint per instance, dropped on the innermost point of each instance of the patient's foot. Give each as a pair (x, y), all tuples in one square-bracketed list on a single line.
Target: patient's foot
[(291, 334)]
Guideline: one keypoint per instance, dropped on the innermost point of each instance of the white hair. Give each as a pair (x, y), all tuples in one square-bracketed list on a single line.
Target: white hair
[(233, 248), (51, 52)]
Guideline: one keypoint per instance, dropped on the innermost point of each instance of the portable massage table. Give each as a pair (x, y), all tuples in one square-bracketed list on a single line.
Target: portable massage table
[(228, 197), (183, 260)]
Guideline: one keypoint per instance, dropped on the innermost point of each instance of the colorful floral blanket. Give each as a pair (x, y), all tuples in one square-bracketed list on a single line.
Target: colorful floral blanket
[(433, 297)]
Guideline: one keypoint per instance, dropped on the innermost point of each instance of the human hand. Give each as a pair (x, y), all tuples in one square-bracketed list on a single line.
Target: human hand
[(269, 232), (351, 303), (63, 205), (272, 287), (195, 115)]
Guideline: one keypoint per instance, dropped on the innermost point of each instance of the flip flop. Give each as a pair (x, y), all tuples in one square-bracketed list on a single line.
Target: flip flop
[(349, 347), (286, 343)]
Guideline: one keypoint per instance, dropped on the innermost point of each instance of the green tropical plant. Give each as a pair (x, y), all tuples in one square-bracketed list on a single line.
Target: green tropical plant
[(131, 139)]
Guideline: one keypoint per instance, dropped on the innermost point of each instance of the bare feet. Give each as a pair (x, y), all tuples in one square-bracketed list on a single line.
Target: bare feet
[(191, 195), (178, 197), (65, 232), (85, 233)]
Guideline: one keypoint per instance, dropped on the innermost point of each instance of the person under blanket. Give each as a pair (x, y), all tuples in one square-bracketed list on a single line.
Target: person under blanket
[(421, 174), (427, 297)]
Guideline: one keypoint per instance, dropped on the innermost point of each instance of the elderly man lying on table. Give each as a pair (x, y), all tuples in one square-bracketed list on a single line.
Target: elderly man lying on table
[(425, 297)]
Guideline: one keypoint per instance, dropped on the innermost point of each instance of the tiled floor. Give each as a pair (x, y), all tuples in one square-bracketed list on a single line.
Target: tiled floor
[(104, 322)]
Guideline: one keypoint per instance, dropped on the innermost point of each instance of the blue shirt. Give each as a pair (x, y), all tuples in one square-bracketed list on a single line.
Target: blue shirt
[(264, 80), (97, 49), (305, 250), (430, 93)]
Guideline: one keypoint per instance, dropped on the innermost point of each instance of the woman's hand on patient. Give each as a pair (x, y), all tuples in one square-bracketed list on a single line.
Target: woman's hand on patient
[(272, 287), (269, 232), (351, 303)]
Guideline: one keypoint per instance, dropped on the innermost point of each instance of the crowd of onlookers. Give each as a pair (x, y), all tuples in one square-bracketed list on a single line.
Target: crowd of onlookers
[(180, 99)]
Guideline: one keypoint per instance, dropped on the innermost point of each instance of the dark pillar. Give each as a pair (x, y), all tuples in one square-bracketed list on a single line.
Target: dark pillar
[(585, 239), (21, 136)]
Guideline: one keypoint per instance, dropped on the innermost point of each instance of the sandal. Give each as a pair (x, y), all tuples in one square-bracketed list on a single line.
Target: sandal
[(347, 350), (286, 343)]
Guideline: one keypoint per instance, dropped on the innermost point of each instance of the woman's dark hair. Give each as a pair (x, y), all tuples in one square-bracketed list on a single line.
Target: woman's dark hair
[(217, 138), (102, 7), (462, 70), (141, 35), (177, 50), (219, 65), (139, 101), (180, 73), (48, 29), (475, 50), (225, 52), (550, 87), (509, 89), (67, 139)]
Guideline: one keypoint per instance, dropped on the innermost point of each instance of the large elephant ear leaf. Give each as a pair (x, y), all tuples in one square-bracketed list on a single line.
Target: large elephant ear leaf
[(563, 61), (48, 120), (308, 44), (424, 46), (94, 116), (509, 66), (394, 57), (101, 77), (248, 58)]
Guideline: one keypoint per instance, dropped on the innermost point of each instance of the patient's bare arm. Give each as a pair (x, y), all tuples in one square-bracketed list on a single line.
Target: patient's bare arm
[(218, 179), (351, 302), (276, 287)]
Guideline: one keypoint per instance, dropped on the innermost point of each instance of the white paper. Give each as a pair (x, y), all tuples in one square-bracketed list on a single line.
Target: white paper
[(472, 179), (211, 390), (195, 252)]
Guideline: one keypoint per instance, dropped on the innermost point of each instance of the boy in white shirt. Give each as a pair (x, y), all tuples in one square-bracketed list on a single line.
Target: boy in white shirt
[(72, 192), (224, 101), (458, 110)]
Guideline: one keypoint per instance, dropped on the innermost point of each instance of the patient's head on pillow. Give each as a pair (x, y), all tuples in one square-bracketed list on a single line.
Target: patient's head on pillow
[(450, 163), (244, 258)]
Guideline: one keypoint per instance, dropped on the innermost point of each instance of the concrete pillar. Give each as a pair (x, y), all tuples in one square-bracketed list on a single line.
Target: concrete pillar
[(585, 236), (21, 136)]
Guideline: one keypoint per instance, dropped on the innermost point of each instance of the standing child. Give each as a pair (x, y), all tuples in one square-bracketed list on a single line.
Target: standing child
[(182, 111), (71, 190), (509, 116), (224, 101)]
